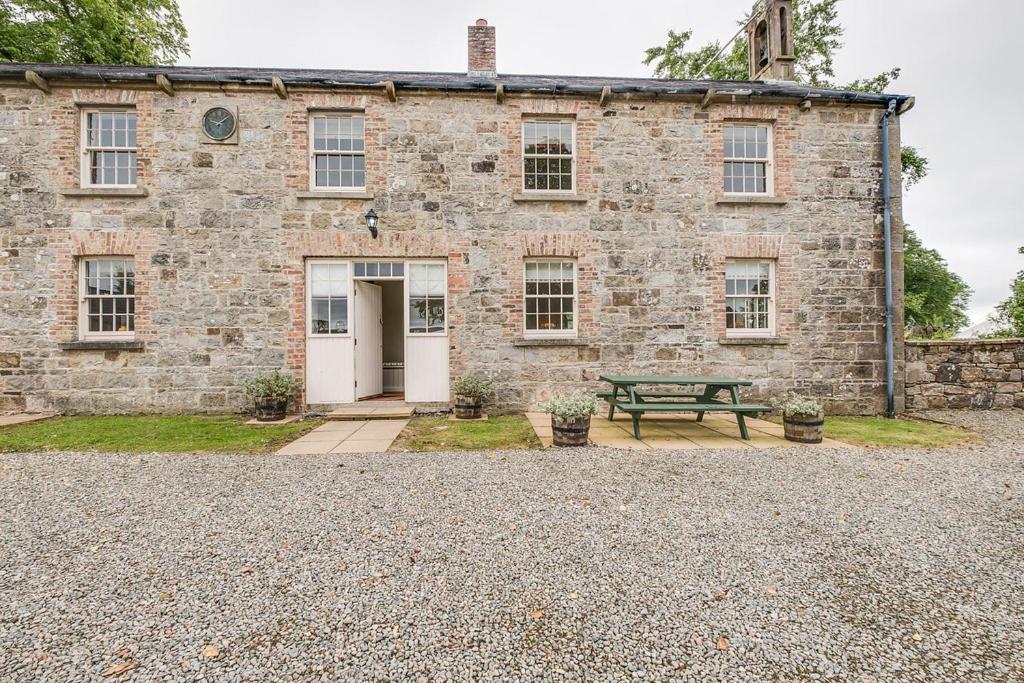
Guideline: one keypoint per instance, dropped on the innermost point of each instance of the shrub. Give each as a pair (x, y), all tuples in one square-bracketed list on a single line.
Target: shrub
[(472, 386), (800, 405), (576, 405), (277, 385)]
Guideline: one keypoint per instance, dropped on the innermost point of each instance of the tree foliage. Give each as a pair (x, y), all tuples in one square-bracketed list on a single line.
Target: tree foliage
[(92, 31), (936, 298), (817, 35), (1009, 315)]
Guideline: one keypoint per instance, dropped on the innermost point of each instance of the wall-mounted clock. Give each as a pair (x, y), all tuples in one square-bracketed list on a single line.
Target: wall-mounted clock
[(221, 124)]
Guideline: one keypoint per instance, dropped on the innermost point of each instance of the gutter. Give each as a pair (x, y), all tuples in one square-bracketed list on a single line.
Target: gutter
[(890, 368), (447, 82)]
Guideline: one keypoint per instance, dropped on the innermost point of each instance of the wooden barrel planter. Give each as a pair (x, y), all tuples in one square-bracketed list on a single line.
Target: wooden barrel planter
[(570, 431), (271, 409), (467, 408), (804, 428)]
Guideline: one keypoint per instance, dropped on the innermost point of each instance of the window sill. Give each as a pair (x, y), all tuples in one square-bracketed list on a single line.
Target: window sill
[(549, 341), (753, 341), (105, 192), (334, 195), (103, 345), (750, 199), (548, 197)]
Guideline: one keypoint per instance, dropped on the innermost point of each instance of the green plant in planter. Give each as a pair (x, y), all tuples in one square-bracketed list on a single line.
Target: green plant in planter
[(575, 405), (472, 386), (800, 405), (470, 391), (803, 419), (570, 418), (271, 394)]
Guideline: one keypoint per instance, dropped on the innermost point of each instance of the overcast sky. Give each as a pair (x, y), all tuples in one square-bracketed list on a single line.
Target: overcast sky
[(960, 59)]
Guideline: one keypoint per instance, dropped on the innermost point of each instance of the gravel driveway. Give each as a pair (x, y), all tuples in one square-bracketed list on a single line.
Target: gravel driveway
[(593, 564)]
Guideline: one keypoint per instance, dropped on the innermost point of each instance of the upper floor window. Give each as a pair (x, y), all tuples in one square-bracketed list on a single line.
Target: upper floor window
[(108, 298), (550, 299), (549, 156), (338, 157), (750, 298), (748, 150), (109, 148)]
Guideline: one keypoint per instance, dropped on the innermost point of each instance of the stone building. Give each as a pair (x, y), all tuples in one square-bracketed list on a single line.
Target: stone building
[(168, 232)]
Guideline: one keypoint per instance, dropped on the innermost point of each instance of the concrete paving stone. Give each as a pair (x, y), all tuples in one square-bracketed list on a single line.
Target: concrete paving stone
[(362, 446)]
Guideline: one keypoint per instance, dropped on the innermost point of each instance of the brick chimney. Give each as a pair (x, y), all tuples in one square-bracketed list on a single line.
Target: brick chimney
[(482, 58)]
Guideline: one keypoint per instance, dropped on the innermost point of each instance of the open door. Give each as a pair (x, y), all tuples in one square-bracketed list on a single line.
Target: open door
[(369, 340)]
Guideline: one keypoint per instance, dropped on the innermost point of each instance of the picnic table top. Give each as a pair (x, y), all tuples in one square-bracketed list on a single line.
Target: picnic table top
[(668, 379)]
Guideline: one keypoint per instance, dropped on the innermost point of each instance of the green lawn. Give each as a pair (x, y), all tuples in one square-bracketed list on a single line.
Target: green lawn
[(442, 434), (172, 433), (900, 433)]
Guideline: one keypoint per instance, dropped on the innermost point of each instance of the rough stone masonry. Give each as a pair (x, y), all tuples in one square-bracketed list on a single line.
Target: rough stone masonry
[(220, 233)]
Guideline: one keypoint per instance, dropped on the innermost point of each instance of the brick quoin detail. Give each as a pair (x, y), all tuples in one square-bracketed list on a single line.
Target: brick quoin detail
[(575, 247), (71, 248), (772, 247)]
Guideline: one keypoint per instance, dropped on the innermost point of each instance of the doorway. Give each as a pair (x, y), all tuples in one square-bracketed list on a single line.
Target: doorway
[(376, 330), (379, 340)]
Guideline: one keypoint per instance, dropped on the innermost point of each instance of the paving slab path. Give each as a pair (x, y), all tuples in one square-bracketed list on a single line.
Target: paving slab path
[(589, 564)]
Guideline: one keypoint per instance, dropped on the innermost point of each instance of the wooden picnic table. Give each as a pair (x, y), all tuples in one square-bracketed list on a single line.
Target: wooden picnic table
[(626, 397)]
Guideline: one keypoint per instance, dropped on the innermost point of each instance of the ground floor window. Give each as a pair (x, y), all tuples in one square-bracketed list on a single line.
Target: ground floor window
[(108, 297), (426, 298), (328, 301), (550, 298), (749, 297)]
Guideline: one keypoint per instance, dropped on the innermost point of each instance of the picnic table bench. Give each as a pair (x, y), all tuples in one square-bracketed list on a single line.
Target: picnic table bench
[(625, 397)]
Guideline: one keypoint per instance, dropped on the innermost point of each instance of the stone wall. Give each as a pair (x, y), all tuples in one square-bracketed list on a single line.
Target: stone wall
[(970, 373), (221, 236)]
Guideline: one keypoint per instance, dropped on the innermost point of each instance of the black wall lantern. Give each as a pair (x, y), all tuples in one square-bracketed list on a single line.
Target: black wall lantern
[(371, 222)]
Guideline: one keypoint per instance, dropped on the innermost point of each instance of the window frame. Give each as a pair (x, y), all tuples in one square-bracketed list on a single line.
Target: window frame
[(313, 152), (769, 161), (87, 150), (522, 153), (756, 333), (349, 296), (554, 334), (84, 334), (409, 264)]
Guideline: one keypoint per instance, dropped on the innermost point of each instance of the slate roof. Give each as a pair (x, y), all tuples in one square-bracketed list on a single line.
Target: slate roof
[(513, 83)]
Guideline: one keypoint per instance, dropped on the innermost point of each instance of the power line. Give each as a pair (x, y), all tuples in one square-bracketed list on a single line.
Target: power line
[(758, 8)]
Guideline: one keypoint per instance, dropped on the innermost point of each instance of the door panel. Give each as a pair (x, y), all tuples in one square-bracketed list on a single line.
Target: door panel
[(329, 370), (426, 368), (369, 344)]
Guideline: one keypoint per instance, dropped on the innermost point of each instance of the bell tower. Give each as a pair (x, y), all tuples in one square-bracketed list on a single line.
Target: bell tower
[(770, 36)]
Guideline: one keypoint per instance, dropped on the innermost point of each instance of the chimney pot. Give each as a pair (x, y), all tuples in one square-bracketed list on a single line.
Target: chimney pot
[(482, 57)]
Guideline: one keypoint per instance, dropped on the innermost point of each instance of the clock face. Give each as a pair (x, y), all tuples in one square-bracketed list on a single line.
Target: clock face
[(219, 123)]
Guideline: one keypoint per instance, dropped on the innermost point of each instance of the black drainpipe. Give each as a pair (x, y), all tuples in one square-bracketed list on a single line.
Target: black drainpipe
[(890, 369)]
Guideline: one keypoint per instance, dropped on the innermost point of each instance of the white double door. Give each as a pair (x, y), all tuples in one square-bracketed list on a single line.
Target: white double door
[(344, 333)]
